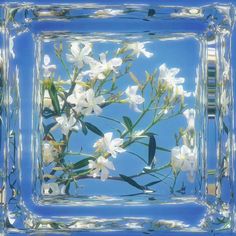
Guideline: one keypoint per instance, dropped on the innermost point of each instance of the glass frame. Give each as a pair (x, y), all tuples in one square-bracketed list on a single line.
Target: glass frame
[(20, 210)]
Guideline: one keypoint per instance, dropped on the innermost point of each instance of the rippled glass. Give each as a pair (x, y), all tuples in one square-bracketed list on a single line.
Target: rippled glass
[(117, 118)]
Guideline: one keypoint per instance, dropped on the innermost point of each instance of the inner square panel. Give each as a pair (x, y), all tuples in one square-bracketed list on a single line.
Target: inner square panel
[(115, 130)]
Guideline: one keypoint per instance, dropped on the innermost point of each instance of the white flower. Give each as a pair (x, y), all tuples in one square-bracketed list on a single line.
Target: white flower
[(105, 13), (102, 165), (107, 144), (47, 68), (79, 55), (138, 48), (98, 68), (77, 97), (67, 124), (49, 153), (178, 90), (190, 116), (185, 159), (224, 101), (91, 103), (169, 79), (52, 189), (168, 76), (134, 99)]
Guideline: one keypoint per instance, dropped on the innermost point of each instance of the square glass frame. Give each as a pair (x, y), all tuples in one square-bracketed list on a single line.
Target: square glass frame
[(25, 28)]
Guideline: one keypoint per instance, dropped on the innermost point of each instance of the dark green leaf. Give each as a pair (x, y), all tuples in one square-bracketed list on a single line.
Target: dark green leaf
[(128, 123), (82, 163), (84, 128), (151, 149), (152, 183), (132, 182), (53, 95), (163, 149), (94, 129)]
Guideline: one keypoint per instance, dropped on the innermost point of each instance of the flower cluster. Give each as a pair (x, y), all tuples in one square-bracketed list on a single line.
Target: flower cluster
[(105, 146), (89, 89), (85, 102), (168, 78)]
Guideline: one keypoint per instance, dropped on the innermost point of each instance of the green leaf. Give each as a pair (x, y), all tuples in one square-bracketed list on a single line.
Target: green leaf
[(94, 129), (82, 163), (53, 95), (151, 149), (132, 182), (128, 123), (163, 149), (84, 128), (153, 183)]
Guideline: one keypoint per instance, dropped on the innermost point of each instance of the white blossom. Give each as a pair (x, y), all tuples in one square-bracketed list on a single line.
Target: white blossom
[(99, 68), (85, 101), (49, 153), (178, 90), (224, 101), (133, 99), (47, 68), (78, 95), (66, 124), (184, 159), (168, 78), (52, 189), (79, 54), (102, 165), (107, 144), (138, 48), (91, 103), (190, 116)]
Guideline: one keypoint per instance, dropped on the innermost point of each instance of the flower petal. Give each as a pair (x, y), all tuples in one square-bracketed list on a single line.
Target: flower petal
[(116, 61), (104, 174)]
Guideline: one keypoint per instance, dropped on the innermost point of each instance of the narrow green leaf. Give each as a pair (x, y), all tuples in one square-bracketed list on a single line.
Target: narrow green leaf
[(53, 95), (153, 183), (163, 149), (84, 128), (151, 149), (82, 163), (94, 129), (132, 182), (128, 123)]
